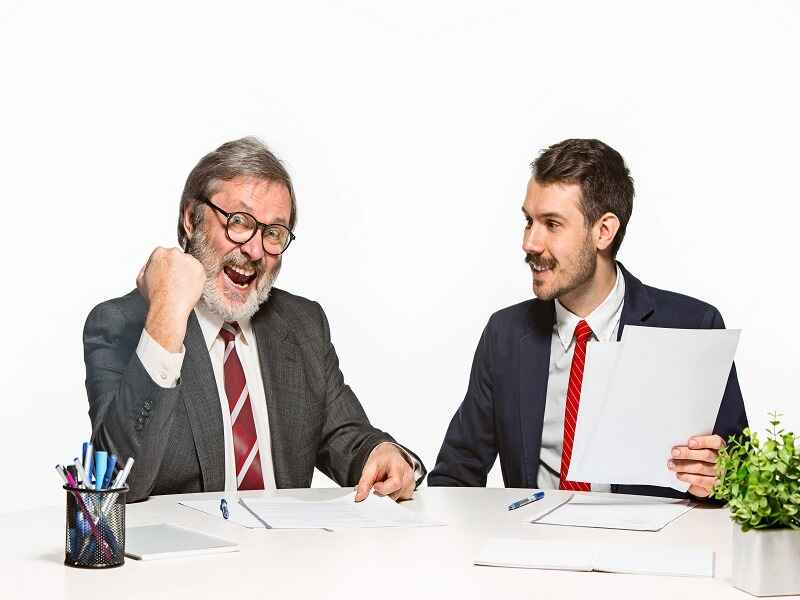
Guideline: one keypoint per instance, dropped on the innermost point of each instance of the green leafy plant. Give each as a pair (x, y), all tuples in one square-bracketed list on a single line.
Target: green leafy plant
[(761, 481)]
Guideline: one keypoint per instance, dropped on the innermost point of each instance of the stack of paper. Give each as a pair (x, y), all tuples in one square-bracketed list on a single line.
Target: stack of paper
[(644, 395), (609, 558), (282, 512)]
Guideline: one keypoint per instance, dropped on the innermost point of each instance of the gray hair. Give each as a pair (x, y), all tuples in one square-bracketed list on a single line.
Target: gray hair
[(248, 157)]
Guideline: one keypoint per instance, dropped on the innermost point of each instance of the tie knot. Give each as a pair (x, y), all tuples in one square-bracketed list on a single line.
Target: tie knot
[(582, 331), (229, 331)]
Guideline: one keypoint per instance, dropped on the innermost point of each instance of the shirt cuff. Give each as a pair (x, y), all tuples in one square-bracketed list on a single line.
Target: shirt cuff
[(415, 464), (164, 367)]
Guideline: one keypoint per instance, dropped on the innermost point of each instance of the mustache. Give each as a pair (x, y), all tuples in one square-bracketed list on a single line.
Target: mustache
[(540, 261)]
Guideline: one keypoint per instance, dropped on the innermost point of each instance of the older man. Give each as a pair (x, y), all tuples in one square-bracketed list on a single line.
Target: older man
[(213, 379)]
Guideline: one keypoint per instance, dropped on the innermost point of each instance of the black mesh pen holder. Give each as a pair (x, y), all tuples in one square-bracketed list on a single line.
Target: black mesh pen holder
[(95, 532)]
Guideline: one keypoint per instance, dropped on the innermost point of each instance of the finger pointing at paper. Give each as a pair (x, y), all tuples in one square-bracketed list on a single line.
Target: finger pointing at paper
[(695, 463)]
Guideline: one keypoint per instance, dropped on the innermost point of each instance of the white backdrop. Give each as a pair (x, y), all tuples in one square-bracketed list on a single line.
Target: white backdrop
[(408, 129)]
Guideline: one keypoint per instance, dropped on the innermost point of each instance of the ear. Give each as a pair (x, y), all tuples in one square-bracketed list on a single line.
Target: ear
[(605, 230), (187, 217)]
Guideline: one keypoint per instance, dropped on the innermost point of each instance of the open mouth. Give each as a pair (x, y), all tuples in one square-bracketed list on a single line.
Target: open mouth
[(240, 277), (539, 269)]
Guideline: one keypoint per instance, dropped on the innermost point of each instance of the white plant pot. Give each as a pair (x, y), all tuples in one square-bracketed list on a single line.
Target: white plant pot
[(766, 562)]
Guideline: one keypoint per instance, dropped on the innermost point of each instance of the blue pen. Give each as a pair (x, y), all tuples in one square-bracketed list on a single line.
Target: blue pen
[(100, 464), (532, 498), (112, 463)]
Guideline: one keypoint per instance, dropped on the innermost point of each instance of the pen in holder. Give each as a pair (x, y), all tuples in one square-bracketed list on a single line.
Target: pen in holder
[(95, 528)]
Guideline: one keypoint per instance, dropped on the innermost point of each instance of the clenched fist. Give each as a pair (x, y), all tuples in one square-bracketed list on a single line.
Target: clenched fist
[(172, 282)]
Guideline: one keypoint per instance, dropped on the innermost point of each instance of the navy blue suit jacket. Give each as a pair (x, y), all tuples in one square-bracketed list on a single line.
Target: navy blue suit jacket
[(503, 410)]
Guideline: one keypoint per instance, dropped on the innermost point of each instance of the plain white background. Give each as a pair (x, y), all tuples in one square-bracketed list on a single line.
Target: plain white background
[(408, 129)]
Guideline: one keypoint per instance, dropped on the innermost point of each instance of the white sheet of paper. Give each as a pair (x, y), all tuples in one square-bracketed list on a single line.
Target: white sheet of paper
[(536, 510), (609, 558), (636, 513), (601, 360), (666, 386), (292, 513)]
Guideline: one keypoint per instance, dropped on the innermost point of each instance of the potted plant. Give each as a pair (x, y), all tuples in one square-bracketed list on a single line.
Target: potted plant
[(760, 482)]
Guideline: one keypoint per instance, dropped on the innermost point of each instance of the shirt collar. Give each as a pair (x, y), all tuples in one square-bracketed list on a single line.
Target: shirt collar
[(211, 323), (602, 320)]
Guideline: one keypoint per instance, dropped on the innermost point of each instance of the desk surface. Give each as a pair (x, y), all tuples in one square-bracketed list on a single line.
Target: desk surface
[(363, 563)]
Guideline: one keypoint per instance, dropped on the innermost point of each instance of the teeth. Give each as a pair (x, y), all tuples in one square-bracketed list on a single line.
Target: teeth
[(244, 272)]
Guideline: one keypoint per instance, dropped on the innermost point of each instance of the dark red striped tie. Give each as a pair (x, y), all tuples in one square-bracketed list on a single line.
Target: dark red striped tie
[(582, 334), (245, 441)]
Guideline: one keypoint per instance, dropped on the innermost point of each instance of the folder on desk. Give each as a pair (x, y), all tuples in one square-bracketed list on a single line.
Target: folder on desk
[(587, 556), (616, 511), (152, 542)]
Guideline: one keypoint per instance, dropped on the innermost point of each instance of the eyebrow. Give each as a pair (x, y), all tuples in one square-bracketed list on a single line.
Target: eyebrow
[(553, 215), (280, 221), (246, 209), (547, 215)]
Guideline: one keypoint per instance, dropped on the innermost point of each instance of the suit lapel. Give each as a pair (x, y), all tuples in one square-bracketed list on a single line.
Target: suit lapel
[(534, 371), (277, 355), (200, 396), (639, 304)]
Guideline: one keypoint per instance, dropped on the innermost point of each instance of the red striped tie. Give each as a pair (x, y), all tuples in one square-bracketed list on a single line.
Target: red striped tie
[(582, 334), (245, 441)]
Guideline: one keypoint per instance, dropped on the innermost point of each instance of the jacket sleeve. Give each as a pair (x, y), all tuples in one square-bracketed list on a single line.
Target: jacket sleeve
[(131, 415), (347, 435), (469, 448)]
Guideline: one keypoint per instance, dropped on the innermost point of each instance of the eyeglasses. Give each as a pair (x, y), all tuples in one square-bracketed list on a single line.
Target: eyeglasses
[(242, 226)]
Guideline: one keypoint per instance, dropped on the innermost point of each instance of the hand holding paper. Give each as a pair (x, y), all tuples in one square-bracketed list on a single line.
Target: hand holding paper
[(696, 463)]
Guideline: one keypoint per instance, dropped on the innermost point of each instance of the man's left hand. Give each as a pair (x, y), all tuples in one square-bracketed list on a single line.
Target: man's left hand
[(388, 473), (696, 463)]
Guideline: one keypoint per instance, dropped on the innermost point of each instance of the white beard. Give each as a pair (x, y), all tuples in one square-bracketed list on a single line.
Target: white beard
[(212, 297)]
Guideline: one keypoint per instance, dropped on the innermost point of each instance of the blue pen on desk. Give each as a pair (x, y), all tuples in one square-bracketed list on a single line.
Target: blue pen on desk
[(520, 503)]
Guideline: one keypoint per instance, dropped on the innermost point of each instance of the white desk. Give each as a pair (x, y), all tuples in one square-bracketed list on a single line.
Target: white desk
[(363, 564)]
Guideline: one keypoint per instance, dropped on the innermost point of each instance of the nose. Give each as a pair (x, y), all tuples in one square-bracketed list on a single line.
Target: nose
[(254, 247), (533, 239)]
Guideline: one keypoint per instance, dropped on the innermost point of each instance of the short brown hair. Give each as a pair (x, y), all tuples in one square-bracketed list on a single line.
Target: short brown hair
[(606, 184), (248, 157)]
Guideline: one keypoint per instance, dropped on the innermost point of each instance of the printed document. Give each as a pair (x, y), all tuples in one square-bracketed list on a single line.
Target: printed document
[(283, 512), (616, 511)]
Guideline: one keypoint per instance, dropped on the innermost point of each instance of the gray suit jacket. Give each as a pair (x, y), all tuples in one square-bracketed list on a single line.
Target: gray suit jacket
[(176, 435)]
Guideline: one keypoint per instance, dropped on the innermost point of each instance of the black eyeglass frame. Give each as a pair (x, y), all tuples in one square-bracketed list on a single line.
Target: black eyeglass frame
[(259, 225)]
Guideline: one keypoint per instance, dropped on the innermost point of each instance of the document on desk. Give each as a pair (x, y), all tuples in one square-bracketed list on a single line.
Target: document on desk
[(284, 512), (617, 511), (651, 391), (688, 561)]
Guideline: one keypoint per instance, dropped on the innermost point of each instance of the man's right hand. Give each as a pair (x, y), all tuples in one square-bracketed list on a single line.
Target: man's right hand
[(172, 282)]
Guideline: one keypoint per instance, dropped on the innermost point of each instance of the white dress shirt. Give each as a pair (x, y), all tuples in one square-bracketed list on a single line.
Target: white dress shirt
[(604, 322), (164, 368)]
